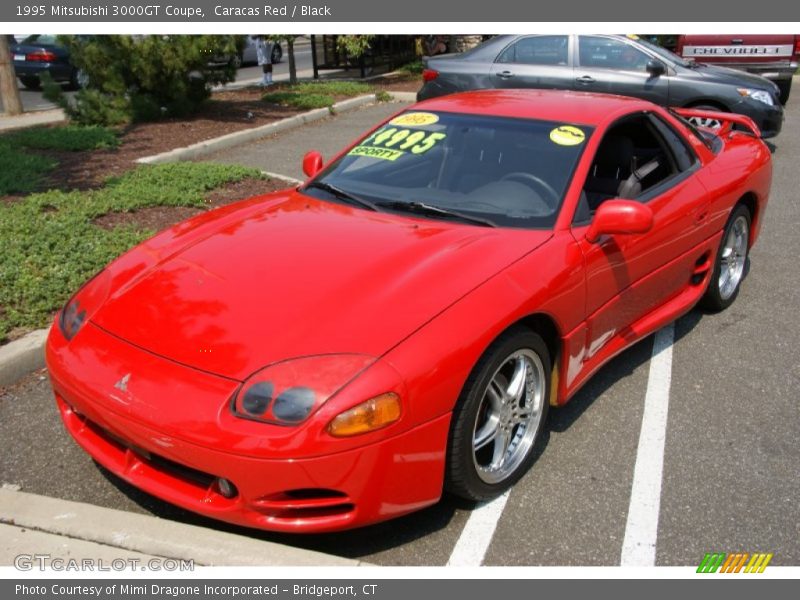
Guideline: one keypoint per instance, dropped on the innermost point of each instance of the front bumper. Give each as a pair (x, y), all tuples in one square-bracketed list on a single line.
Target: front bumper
[(768, 118), (125, 432)]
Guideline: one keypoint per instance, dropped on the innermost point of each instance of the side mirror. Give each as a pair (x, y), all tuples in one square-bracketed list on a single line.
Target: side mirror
[(620, 217), (656, 67), (312, 163)]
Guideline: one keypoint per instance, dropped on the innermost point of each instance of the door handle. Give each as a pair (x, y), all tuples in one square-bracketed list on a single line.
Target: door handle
[(505, 74), (701, 215), (585, 79)]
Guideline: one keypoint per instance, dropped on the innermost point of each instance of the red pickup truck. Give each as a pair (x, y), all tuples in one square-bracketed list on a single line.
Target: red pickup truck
[(774, 56)]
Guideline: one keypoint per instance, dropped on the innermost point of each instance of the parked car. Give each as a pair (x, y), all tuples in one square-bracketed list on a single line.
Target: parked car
[(609, 64), (247, 55), (36, 54), (774, 56), (339, 353)]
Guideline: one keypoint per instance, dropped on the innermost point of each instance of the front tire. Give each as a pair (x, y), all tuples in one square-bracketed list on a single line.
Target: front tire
[(707, 123), (497, 423), (730, 264)]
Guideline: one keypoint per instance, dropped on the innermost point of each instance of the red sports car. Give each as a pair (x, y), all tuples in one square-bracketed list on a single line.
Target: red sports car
[(338, 354)]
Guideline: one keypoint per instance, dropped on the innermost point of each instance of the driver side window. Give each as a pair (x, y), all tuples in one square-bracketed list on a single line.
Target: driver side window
[(632, 158)]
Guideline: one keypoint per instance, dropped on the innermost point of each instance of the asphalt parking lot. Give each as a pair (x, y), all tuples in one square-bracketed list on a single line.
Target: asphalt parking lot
[(731, 460)]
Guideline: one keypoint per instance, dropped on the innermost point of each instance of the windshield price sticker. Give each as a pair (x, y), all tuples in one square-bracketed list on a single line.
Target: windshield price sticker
[(567, 135), (417, 119), (371, 152), (399, 140)]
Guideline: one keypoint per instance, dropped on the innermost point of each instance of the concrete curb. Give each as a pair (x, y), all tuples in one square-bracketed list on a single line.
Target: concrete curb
[(22, 356), (404, 96), (248, 135), (67, 521)]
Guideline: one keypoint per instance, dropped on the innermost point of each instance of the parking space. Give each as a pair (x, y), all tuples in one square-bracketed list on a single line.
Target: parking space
[(731, 460)]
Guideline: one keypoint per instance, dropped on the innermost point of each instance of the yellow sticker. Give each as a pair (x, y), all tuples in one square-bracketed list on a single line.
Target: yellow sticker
[(567, 135), (371, 152), (415, 118), (632, 36)]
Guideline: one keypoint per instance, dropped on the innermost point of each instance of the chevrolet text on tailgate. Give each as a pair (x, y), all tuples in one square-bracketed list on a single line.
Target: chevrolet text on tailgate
[(774, 56)]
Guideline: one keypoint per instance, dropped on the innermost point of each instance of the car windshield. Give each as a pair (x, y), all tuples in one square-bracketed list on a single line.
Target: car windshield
[(500, 171)]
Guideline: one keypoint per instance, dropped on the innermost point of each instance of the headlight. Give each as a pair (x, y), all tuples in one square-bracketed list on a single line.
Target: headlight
[(84, 304), (760, 95), (289, 392)]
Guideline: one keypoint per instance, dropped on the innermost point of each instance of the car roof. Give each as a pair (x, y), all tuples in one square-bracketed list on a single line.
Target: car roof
[(585, 108)]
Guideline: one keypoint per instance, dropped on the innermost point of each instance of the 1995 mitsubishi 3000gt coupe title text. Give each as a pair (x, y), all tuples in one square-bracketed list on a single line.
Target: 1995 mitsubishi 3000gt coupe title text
[(341, 353)]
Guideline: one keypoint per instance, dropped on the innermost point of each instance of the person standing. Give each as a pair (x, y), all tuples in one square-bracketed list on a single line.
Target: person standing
[(264, 57)]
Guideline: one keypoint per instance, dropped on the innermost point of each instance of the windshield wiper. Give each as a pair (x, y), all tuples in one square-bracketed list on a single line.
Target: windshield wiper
[(428, 209), (343, 195)]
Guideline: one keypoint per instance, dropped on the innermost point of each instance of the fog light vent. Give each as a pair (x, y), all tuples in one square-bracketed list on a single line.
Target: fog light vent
[(226, 488)]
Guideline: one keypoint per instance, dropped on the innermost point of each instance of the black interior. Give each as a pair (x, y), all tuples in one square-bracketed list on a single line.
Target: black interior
[(631, 159)]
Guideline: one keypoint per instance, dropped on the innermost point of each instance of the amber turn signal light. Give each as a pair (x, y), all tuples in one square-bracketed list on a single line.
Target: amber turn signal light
[(368, 416)]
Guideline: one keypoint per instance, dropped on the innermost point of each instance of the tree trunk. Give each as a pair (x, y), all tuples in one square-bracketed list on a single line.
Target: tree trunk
[(9, 91), (292, 64)]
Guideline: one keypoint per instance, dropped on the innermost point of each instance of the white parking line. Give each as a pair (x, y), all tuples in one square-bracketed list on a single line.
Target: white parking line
[(641, 530), (477, 534)]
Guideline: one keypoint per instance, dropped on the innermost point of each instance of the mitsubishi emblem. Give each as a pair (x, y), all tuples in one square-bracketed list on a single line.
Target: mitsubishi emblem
[(122, 384)]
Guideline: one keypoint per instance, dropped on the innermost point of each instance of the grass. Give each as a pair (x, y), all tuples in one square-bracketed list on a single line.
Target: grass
[(22, 172), (321, 94), (413, 68), (51, 245)]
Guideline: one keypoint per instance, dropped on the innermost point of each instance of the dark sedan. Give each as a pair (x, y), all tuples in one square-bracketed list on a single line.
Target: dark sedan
[(612, 64), (39, 53)]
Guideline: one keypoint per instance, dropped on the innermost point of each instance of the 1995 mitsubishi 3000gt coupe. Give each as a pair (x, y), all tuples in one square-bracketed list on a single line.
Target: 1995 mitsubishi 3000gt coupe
[(341, 353)]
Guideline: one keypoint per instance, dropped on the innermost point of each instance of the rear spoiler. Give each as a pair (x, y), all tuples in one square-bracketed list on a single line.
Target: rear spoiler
[(728, 120)]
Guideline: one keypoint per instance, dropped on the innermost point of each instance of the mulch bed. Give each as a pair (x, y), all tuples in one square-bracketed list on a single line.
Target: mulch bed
[(225, 113), (400, 83)]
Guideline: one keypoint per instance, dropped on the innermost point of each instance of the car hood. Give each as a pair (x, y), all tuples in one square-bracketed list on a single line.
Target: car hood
[(296, 276), (733, 77)]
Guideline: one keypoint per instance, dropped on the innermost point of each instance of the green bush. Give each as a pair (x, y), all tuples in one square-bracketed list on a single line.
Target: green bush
[(69, 138), (335, 88), (413, 68), (22, 171), (144, 78), (299, 101), (51, 245)]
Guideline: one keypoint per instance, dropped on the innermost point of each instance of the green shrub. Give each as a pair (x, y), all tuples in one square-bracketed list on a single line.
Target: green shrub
[(413, 68), (21, 172), (143, 78), (70, 138), (299, 101), (51, 245)]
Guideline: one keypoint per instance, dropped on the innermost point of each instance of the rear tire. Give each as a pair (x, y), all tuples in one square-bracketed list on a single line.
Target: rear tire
[(498, 420), (726, 279), (31, 83)]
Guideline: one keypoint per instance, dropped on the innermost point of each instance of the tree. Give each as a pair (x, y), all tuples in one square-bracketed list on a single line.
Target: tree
[(144, 78), (9, 91), (289, 39)]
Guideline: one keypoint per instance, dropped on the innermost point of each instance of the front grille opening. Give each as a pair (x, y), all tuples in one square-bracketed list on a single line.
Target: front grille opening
[(305, 503), (311, 493), (164, 465)]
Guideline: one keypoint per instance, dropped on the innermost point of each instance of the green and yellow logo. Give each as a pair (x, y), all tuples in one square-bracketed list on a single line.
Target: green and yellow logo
[(734, 563)]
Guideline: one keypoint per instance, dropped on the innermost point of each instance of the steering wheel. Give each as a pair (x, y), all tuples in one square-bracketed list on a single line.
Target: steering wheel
[(551, 197)]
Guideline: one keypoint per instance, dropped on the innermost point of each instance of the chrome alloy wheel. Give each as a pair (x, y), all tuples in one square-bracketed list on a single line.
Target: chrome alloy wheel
[(705, 122), (732, 259), (509, 416)]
